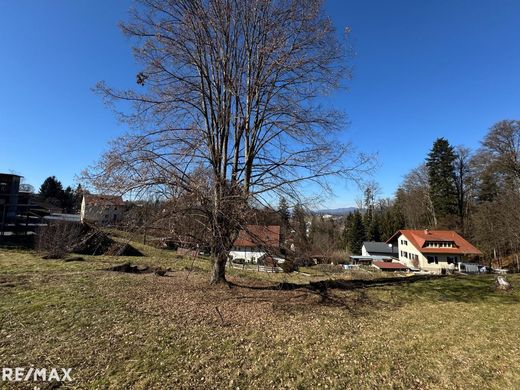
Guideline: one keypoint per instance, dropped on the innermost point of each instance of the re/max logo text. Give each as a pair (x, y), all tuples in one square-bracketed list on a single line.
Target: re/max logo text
[(32, 374)]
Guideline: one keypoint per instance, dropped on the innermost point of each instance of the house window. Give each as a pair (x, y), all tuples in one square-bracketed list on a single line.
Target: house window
[(404, 254), (432, 259), (404, 242)]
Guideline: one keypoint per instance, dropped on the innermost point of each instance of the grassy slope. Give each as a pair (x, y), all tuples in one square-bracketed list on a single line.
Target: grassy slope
[(142, 331)]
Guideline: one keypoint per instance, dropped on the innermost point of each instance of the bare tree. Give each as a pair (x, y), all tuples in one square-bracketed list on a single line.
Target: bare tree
[(413, 198), (464, 183), (503, 143), (229, 88)]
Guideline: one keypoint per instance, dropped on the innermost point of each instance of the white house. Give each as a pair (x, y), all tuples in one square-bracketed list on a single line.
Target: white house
[(255, 243), (435, 251), (103, 209)]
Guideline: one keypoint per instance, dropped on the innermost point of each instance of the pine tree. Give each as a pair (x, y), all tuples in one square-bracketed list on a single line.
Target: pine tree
[(285, 215), (300, 228), (441, 179), (374, 230), (392, 220), (67, 201), (346, 231), (51, 188), (356, 233), (78, 198)]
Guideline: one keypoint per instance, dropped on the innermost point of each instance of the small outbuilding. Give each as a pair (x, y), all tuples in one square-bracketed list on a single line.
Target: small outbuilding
[(387, 266)]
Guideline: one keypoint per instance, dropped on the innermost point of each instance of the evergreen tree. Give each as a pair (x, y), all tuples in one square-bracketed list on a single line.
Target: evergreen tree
[(392, 220), (78, 198), (374, 230), (356, 234), (346, 231), (51, 188), (300, 229), (67, 201), (285, 215), (441, 179)]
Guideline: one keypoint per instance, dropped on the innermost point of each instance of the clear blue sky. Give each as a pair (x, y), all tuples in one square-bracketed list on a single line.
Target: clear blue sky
[(422, 70)]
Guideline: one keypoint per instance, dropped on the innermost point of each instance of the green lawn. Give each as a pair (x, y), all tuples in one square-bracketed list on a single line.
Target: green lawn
[(142, 331)]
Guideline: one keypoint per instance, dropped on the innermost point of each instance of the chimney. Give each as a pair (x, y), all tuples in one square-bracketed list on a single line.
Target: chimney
[(426, 231)]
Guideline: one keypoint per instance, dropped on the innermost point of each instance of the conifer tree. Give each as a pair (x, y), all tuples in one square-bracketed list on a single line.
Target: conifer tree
[(441, 179), (356, 234)]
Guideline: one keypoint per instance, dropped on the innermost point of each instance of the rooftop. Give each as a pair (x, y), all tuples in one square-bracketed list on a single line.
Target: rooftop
[(104, 200), (388, 265), (379, 247), (258, 235), (373, 258), (419, 239)]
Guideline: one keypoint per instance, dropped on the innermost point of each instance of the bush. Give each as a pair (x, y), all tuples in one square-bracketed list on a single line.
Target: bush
[(288, 266), (57, 239), (304, 262)]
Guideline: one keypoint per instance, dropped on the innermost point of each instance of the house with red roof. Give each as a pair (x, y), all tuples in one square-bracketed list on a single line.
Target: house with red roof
[(257, 242), (435, 251)]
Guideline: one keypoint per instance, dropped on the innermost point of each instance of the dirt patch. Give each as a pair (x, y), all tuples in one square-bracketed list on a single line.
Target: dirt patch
[(94, 241), (136, 269), (75, 258), (10, 282), (118, 249)]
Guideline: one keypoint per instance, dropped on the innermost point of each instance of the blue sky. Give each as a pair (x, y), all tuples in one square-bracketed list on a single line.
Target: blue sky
[(422, 70)]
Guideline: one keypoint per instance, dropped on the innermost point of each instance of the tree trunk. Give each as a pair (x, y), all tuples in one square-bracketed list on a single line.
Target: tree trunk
[(218, 275)]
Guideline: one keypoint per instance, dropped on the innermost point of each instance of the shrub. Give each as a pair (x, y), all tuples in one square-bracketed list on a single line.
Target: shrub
[(289, 266), (57, 239)]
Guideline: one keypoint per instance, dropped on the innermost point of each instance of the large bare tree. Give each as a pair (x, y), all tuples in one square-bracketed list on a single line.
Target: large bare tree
[(229, 89), (502, 143)]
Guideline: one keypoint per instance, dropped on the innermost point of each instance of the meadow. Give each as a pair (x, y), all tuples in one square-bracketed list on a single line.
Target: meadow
[(142, 331)]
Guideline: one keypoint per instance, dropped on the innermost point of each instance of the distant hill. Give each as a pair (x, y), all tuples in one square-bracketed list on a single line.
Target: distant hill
[(337, 212)]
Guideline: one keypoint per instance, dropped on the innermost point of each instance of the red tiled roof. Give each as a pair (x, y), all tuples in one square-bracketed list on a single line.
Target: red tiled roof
[(389, 265), (257, 235), (419, 238), (104, 200)]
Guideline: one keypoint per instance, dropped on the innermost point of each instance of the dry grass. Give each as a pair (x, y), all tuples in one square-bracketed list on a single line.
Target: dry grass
[(125, 331)]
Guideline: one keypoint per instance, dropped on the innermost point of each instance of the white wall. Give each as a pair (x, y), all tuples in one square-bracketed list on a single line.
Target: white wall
[(364, 251), (106, 214), (248, 254)]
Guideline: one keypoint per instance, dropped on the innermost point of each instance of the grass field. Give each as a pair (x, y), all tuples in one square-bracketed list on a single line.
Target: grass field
[(123, 331)]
